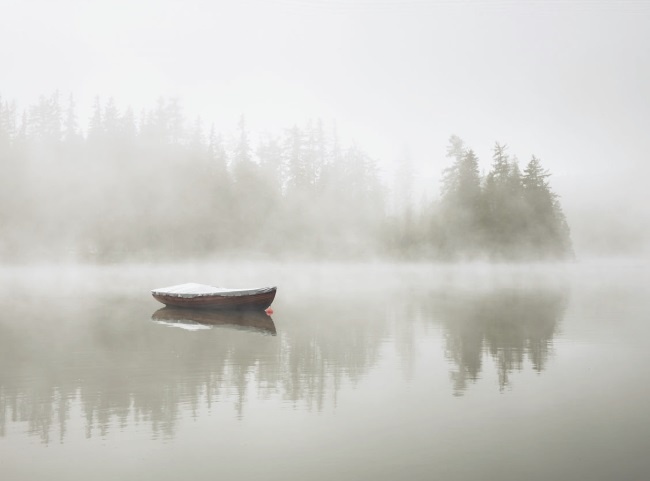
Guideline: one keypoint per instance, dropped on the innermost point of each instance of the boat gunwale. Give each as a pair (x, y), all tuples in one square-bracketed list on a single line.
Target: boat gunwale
[(217, 293)]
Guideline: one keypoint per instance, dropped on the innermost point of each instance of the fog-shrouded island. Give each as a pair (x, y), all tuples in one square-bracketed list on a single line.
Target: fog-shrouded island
[(152, 186)]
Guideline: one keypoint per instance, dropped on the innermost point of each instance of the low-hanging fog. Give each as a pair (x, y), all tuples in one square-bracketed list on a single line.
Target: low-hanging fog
[(449, 196), (400, 130)]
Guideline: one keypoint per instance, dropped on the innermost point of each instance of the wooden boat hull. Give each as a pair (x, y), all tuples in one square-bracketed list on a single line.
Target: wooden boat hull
[(257, 301)]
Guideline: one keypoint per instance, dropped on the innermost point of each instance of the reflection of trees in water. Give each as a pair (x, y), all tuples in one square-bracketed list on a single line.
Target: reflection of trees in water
[(339, 342), (105, 365), (509, 325), (108, 361)]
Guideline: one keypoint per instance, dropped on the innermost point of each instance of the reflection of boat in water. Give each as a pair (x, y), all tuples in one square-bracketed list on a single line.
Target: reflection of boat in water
[(201, 296), (195, 319)]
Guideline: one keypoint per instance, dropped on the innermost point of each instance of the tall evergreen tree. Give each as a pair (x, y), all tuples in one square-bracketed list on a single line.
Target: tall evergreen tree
[(269, 153), (71, 134), (461, 202), (497, 203), (127, 128), (111, 120), (45, 120), (243, 168), (8, 123), (297, 171), (450, 176), (547, 231), (95, 125), (500, 164)]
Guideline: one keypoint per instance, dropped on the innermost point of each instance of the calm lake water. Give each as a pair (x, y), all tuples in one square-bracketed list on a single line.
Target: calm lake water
[(376, 372)]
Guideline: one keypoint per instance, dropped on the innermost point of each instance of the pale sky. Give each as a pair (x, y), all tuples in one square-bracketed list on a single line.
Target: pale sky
[(568, 81)]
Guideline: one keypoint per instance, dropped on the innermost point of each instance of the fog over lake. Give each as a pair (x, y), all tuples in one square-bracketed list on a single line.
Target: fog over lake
[(450, 197)]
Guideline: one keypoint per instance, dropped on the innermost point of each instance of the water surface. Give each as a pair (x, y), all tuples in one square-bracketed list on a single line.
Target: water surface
[(363, 372)]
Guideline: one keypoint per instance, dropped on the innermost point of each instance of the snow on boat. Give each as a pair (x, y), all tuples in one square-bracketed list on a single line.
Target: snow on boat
[(199, 319), (201, 296)]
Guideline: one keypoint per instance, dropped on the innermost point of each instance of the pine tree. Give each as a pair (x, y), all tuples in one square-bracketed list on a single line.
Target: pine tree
[(217, 155), (110, 119), (71, 134), (44, 120), (297, 174), (461, 181), (461, 207), (450, 176), (243, 168), (497, 203), (500, 164), (269, 153), (547, 231), (127, 128), (95, 125), (7, 124)]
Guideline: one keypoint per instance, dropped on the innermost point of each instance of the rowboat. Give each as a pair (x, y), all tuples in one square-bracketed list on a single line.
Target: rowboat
[(199, 319), (201, 296)]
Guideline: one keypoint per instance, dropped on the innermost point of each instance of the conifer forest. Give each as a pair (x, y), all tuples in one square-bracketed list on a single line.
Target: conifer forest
[(150, 185)]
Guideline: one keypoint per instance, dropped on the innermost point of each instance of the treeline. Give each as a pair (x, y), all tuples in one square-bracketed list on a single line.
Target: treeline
[(506, 214), (149, 186)]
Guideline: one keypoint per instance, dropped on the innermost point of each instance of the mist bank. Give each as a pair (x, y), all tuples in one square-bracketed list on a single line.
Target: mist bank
[(153, 187)]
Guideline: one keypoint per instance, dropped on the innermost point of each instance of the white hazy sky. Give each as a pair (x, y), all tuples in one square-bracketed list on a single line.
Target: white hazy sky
[(568, 81)]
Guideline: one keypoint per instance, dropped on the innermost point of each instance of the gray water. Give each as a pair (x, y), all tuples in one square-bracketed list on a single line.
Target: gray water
[(369, 371)]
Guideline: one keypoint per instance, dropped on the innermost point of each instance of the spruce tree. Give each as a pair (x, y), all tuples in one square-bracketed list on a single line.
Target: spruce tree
[(547, 231), (461, 202)]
